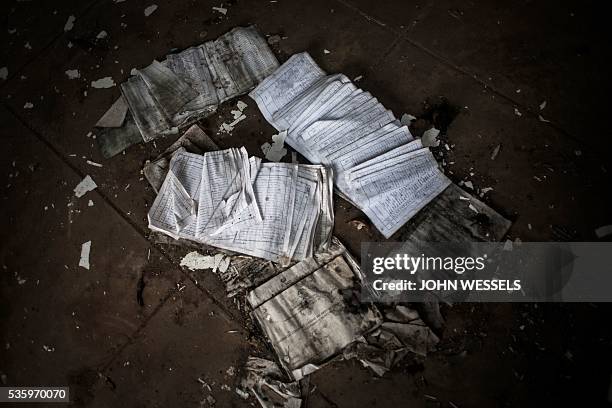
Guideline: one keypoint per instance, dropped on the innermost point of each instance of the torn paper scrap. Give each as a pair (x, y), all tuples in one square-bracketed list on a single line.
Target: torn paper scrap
[(407, 119), (196, 261), (69, 23), (106, 82), (603, 231), (150, 10), (85, 250), (73, 74), (87, 184), (275, 151), (430, 138), (115, 115)]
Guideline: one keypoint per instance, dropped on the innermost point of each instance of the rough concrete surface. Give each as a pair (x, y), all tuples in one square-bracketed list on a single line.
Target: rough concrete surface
[(65, 325)]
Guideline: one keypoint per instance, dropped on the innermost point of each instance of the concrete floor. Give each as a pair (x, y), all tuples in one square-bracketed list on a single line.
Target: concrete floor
[(490, 59)]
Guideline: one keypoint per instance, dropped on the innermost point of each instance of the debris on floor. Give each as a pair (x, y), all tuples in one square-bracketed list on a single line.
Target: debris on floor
[(102, 83), (275, 211), (196, 261), (270, 385), (85, 250), (188, 86), (603, 231), (84, 186), (376, 162), (238, 116), (275, 151)]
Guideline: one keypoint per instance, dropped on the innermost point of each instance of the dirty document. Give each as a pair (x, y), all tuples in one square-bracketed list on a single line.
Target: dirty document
[(304, 315)]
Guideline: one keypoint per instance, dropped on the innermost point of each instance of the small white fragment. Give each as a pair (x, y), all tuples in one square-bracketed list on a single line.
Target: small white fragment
[(471, 207), (407, 119), (603, 231), (241, 105), (485, 190), (221, 10), (106, 82), (325, 51), (150, 10), (508, 245), (27, 46), (87, 184), (69, 23), (275, 151), (90, 203), (468, 184), (93, 163), (102, 35), (517, 112), (541, 119), (28, 105), (196, 261), (85, 250), (243, 394), (495, 152), (73, 73), (133, 71), (464, 198), (3, 73), (48, 349), (358, 78), (543, 105), (430, 138)]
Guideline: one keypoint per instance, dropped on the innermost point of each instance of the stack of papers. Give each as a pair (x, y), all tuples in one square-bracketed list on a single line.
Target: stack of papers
[(376, 162), (186, 86), (275, 211)]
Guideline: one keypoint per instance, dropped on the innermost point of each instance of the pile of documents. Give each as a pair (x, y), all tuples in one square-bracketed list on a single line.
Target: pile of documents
[(377, 164), (275, 211), (185, 87)]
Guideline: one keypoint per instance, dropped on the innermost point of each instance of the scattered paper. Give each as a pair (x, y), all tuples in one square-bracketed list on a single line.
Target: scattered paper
[(101, 35), (275, 151), (150, 10), (28, 105), (73, 74), (275, 211), (106, 82), (85, 249), (517, 112), (221, 10), (69, 23), (90, 203), (87, 184), (469, 184), (376, 162)]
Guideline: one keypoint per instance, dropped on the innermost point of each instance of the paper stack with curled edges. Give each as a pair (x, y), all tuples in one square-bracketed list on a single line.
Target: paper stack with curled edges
[(276, 211), (376, 162)]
